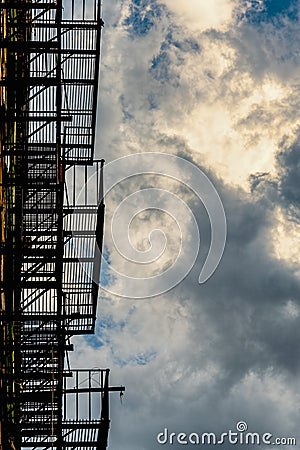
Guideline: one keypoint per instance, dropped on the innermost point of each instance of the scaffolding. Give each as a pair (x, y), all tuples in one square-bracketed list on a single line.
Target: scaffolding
[(50, 244)]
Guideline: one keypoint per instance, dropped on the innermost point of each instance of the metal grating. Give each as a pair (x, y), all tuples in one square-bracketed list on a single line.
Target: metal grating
[(50, 249)]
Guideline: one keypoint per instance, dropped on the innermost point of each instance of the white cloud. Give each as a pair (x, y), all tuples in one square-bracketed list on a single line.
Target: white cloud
[(201, 15), (213, 99)]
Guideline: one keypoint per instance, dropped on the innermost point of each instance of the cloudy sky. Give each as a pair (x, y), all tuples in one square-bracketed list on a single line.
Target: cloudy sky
[(215, 82)]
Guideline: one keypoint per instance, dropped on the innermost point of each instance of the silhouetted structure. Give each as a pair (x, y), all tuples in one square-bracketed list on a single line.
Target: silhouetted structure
[(50, 242)]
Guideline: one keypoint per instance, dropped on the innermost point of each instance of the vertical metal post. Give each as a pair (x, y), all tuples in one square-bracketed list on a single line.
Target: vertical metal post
[(104, 419), (60, 173)]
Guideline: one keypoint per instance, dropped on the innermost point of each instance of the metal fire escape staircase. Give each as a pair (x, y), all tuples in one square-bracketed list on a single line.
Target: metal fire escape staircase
[(51, 249)]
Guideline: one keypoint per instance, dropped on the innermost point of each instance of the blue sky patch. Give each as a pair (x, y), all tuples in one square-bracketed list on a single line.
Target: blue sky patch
[(140, 359), (152, 100), (162, 65), (93, 341), (275, 7), (126, 114), (106, 277), (143, 16), (101, 337), (271, 10), (185, 45)]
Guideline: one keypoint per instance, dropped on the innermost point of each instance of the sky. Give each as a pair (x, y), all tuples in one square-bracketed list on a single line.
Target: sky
[(217, 84)]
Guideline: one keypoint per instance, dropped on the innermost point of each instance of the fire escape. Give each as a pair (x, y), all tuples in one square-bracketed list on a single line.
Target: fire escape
[(51, 237)]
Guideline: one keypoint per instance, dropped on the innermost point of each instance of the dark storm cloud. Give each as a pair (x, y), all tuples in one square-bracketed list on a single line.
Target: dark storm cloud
[(288, 160), (247, 297), (284, 188), (243, 335)]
